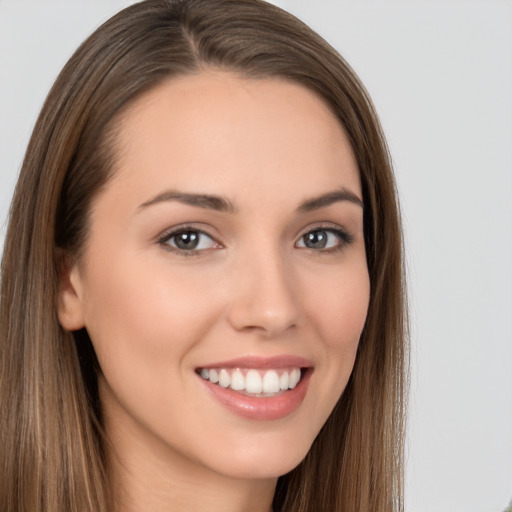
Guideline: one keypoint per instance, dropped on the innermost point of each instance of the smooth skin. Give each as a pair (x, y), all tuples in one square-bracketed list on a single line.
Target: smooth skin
[(257, 273)]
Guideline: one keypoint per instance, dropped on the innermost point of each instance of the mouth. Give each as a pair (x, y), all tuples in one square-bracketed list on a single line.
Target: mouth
[(258, 388), (254, 382)]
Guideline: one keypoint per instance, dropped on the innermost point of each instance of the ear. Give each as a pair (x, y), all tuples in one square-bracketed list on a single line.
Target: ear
[(69, 300)]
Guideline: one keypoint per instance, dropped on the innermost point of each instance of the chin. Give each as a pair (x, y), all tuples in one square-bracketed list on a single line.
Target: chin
[(260, 459)]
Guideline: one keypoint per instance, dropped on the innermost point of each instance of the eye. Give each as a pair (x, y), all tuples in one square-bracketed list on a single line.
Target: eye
[(324, 239), (188, 240)]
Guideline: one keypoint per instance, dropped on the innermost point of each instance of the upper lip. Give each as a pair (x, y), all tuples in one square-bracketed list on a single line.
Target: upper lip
[(261, 362)]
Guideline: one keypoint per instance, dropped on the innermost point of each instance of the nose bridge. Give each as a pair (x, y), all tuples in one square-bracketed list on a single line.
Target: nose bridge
[(264, 298)]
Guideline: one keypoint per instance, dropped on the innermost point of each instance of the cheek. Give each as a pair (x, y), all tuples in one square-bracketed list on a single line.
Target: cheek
[(144, 322), (140, 316), (341, 308), (336, 308), (340, 311)]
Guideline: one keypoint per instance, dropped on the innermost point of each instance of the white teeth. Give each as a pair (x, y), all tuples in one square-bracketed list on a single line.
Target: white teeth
[(224, 379), (263, 382), (294, 378), (283, 381), (237, 381), (271, 382), (253, 382)]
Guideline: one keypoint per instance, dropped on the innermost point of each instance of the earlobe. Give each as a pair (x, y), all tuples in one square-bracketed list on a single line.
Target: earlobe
[(69, 300)]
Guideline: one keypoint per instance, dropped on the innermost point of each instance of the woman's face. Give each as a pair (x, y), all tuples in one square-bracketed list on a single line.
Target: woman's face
[(225, 260)]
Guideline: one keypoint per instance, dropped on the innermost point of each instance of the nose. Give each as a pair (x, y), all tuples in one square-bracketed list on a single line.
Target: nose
[(264, 300)]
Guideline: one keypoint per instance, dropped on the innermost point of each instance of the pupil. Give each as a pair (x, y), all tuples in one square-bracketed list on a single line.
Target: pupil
[(187, 240), (316, 240)]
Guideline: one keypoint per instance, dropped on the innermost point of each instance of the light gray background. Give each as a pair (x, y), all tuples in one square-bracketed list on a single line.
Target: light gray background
[(440, 74)]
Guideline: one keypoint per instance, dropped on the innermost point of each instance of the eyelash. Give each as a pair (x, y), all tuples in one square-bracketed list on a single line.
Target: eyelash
[(165, 238), (345, 238)]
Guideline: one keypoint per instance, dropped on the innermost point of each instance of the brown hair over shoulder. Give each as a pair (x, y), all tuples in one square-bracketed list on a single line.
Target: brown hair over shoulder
[(52, 450)]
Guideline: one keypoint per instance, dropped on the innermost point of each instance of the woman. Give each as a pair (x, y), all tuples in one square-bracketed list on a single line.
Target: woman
[(202, 291)]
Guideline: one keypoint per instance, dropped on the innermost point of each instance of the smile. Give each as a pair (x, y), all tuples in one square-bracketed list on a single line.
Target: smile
[(253, 382), (258, 388)]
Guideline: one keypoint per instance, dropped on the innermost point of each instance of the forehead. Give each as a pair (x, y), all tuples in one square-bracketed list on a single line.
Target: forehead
[(226, 131)]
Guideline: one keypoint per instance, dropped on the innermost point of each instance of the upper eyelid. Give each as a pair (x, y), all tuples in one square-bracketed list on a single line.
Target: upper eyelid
[(207, 230), (175, 230), (171, 234), (336, 230), (346, 236), (326, 225), (163, 240)]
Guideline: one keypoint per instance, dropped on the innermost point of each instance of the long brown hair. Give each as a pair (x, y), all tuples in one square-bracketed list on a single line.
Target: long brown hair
[(52, 449)]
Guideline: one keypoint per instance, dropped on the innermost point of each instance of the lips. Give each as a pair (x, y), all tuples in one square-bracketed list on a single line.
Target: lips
[(259, 388)]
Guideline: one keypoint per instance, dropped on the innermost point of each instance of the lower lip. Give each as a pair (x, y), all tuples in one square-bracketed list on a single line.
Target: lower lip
[(264, 408)]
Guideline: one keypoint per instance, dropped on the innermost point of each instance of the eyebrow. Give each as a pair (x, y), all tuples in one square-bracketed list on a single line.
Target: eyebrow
[(221, 204), (206, 201), (325, 200)]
